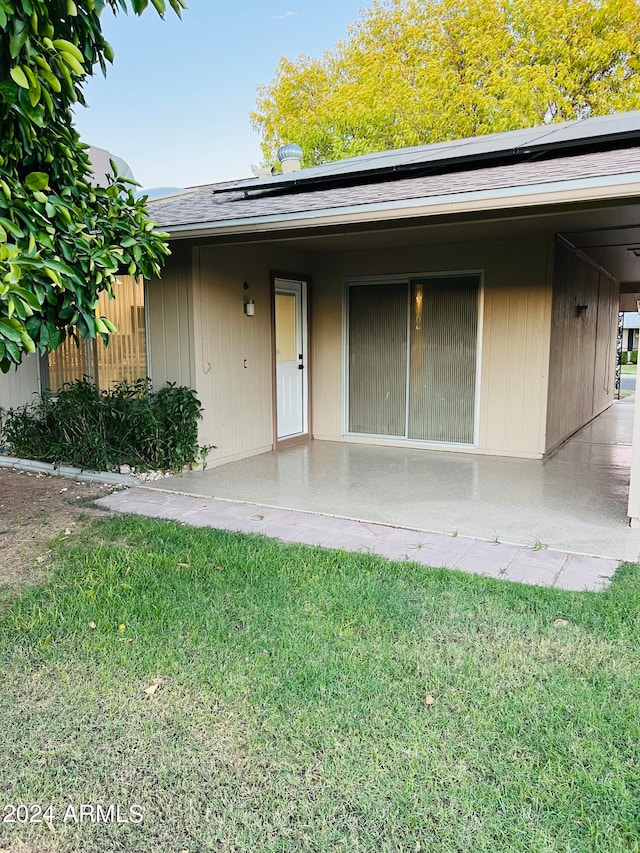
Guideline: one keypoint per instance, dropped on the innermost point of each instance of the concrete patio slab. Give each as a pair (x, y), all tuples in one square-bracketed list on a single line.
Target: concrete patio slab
[(575, 501), (561, 522)]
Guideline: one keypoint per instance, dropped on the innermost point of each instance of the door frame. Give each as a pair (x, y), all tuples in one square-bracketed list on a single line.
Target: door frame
[(305, 280)]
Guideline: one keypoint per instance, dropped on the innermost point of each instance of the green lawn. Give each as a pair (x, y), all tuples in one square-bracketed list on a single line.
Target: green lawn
[(291, 714)]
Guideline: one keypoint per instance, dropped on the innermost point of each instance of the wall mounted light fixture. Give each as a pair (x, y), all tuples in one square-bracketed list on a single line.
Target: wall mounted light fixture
[(249, 307)]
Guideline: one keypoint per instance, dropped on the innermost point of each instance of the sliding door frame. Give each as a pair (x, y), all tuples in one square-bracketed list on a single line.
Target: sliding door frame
[(408, 279)]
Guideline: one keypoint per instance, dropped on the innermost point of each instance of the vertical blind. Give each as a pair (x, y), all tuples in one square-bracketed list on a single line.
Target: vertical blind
[(377, 359), (68, 363), (443, 359), (429, 326), (125, 356)]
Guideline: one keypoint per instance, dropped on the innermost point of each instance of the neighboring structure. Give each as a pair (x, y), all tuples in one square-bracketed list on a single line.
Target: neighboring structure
[(630, 331), (462, 296)]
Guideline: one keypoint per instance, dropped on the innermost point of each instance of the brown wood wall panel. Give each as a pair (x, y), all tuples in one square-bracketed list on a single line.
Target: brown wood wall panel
[(582, 351), (498, 422), (605, 358)]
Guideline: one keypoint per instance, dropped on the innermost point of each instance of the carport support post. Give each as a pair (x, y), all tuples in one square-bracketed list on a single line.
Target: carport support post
[(634, 485)]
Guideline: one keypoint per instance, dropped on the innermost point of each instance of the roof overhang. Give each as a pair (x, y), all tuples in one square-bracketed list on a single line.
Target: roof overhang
[(595, 189)]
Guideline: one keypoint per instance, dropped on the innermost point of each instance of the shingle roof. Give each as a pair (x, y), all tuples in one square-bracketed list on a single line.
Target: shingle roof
[(202, 205)]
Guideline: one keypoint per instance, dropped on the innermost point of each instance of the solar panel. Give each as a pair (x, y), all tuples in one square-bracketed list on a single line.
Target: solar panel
[(599, 126), (492, 144)]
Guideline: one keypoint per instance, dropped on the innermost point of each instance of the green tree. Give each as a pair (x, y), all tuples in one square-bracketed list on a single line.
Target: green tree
[(412, 72), (62, 241)]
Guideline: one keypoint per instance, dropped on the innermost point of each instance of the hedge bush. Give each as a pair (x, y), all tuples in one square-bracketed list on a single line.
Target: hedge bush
[(101, 430)]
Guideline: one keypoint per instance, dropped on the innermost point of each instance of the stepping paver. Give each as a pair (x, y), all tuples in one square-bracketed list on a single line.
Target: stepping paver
[(524, 572), (511, 562), (579, 567), (311, 536), (393, 550), (451, 544)]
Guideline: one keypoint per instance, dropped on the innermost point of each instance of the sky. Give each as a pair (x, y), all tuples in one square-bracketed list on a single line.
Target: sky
[(175, 104)]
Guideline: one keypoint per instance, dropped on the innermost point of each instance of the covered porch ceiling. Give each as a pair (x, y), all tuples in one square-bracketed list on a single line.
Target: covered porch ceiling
[(606, 231)]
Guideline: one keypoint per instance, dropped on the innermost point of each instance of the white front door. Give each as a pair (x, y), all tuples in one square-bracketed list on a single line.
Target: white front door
[(291, 368)]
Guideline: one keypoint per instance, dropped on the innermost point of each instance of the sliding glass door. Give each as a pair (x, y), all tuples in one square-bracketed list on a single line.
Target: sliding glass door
[(412, 358), (378, 359), (442, 383)]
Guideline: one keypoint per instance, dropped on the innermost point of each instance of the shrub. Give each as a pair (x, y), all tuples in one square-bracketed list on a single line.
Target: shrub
[(623, 356), (634, 356), (128, 425)]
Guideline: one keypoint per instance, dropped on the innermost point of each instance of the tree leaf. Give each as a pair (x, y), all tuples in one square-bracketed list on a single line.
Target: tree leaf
[(11, 227), (18, 76), (58, 220), (66, 46), (154, 686), (19, 36), (37, 181), (28, 343), (9, 332), (13, 352), (73, 63)]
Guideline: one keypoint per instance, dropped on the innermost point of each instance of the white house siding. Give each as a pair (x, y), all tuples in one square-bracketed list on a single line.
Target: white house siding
[(583, 344), (630, 326), (515, 333)]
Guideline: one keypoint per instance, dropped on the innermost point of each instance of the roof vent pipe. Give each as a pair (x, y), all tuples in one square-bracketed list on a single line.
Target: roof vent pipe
[(291, 158)]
